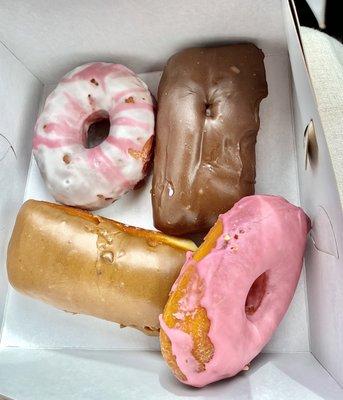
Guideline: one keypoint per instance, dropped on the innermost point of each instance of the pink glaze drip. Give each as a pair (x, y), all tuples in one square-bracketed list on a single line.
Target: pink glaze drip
[(123, 144), (192, 298), (63, 128), (125, 121), (52, 143), (181, 341), (189, 256), (127, 92), (131, 106), (99, 161), (261, 234), (74, 106), (63, 135)]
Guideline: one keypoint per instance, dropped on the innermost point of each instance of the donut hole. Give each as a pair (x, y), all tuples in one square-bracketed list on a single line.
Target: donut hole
[(96, 129), (255, 295), (208, 111)]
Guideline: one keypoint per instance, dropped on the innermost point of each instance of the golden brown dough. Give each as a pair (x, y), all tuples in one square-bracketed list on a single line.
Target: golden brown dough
[(92, 265), (196, 325)]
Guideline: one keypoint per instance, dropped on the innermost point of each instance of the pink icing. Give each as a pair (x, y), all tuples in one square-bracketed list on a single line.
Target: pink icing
[(124, 121), (183, 340), (88, 93), (99, 161), (123, 144), (52, 143), (74, 105), (189, 255), (99, 71), (261, 234), (127, 93), (131, 106), (65, 134)]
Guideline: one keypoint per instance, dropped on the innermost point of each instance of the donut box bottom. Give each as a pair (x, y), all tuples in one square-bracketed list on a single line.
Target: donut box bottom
[(49, 354)]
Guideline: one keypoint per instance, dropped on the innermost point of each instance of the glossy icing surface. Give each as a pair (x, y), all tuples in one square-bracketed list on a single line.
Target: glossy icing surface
[(91, 265), (206, 129), (245, 285), (92, 178)]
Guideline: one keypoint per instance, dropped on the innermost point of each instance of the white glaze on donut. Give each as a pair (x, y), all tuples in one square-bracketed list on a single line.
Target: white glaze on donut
[(93, 178)]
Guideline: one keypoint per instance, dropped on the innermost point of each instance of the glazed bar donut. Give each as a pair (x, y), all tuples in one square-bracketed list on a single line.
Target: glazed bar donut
[(207, 122), (94, 177), (91, 265), (233, 292)]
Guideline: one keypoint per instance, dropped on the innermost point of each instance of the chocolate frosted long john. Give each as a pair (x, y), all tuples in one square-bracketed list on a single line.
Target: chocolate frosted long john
[(207, 122), (91, 265)]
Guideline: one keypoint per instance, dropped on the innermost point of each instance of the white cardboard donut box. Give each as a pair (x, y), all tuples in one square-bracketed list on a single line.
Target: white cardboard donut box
[(49, 354)]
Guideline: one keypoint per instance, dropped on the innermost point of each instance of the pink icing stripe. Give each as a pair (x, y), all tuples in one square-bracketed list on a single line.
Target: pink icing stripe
[(74, 105), (182, 345), (66, 135), (39, 140), (123, 144), (98, 160), (62, 127), (127, 92), (261, 234), (125, 121), (131, 106)]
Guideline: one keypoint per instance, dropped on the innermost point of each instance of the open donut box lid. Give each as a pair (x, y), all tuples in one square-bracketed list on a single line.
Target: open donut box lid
[(48, 354)]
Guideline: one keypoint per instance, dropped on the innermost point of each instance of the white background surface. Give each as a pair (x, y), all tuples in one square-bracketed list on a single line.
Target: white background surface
[(52, 37)]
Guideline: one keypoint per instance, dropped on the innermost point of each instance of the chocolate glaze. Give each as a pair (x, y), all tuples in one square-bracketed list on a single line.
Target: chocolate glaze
[(207, 123)]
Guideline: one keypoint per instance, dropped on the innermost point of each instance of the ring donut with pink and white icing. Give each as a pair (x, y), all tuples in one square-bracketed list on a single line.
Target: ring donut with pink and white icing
[(89, 177)]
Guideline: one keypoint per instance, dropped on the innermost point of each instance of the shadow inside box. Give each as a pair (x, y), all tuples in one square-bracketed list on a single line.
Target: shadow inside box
[(237, 387), (67, 62), (270, 43), (271, 376), (153, 363), (316, 379), (145, 360)]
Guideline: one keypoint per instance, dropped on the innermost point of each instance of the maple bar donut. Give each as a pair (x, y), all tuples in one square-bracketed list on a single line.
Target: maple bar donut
[(233, 292), (87, 264), (76, 172)]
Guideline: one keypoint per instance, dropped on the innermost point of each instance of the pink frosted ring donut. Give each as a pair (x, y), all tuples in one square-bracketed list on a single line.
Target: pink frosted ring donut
[(92, 178), (233, 292)]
